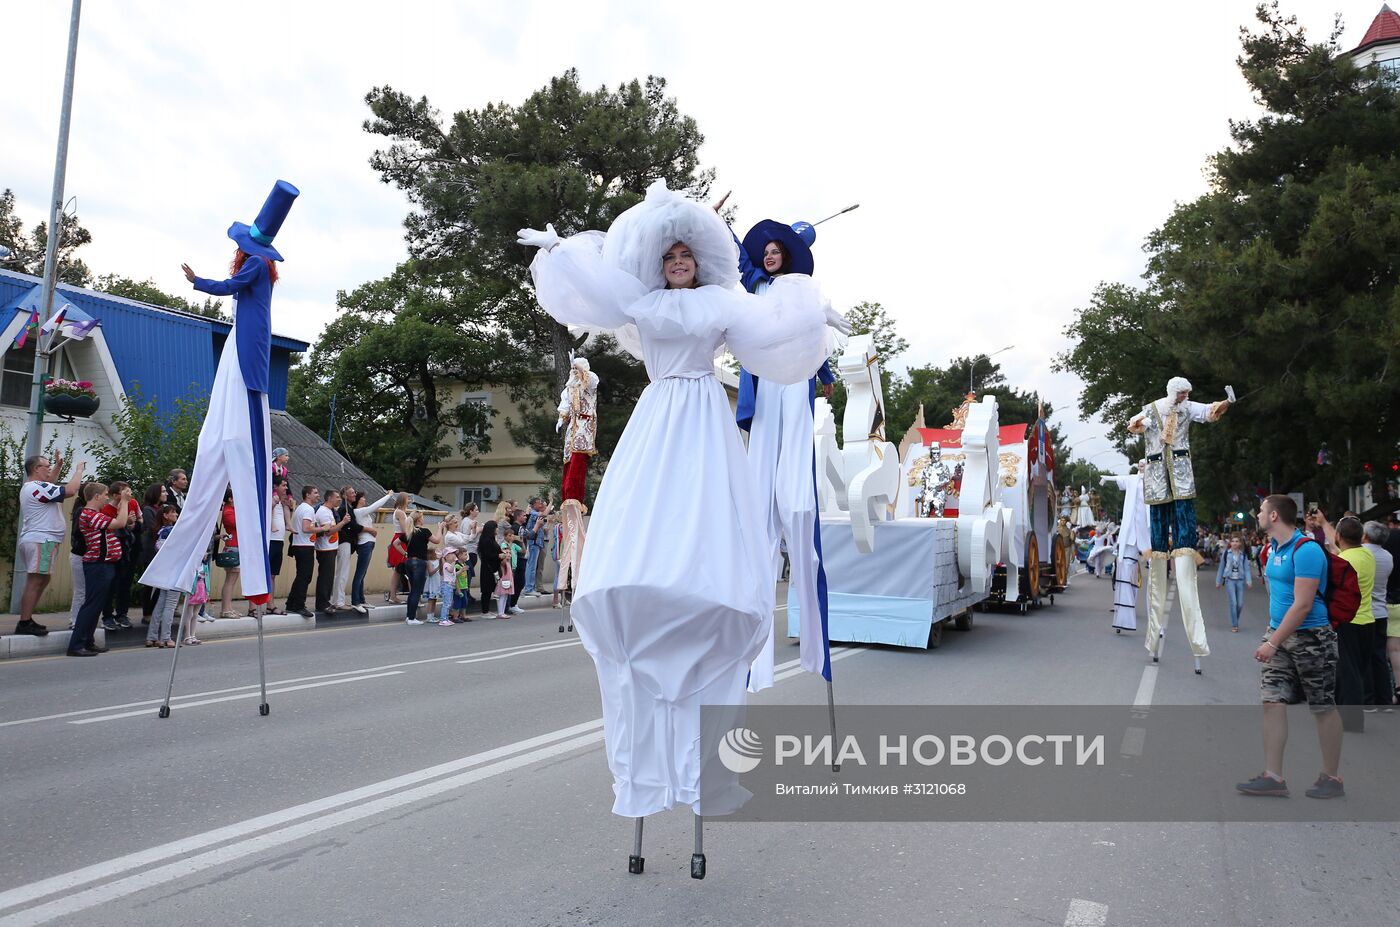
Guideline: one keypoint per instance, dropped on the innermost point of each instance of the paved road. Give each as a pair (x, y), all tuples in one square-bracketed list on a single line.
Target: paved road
[(424, 775)]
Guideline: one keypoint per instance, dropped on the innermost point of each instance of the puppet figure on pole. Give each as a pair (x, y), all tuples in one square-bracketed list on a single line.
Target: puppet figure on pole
[(578, 419), (1169, 489), (235, 441)]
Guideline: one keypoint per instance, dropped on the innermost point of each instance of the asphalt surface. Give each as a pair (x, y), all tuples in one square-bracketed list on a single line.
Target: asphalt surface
[(394, 783)]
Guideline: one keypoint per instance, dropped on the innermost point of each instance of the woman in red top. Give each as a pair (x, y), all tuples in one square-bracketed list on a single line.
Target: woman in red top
[(230, 529)]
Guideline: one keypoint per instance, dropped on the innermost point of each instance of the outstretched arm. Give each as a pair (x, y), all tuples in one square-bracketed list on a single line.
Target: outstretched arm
[(247, 275)]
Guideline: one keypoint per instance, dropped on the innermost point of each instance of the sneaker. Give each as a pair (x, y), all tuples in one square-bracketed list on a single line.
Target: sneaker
[(412, 621), (306, 613), (124, 622), (1370, 709), (444, 622), (361, 609), (1263, 784), (1326, 787), (31, 627), (97, 648), (517, 610), (109, 624), (82, 653)]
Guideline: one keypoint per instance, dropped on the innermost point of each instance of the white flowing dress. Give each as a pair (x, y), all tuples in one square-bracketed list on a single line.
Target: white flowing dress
[(676, 585)]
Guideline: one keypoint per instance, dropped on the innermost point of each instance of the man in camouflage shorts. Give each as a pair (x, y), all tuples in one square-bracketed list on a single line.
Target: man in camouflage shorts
[(1299, 653)]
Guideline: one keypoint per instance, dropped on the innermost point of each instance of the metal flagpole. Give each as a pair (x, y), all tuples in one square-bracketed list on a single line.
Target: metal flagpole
[(34, 445)]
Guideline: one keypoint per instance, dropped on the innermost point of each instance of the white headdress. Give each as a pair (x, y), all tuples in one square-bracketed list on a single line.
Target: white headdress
[(1177, 385), (640, 236)]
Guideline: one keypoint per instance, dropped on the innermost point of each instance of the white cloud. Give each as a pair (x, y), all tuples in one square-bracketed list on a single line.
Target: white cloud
[(1007, 157)]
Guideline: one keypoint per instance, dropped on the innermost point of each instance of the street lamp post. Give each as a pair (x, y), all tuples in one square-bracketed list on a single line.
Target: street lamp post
[(972, 368), (34, 444)]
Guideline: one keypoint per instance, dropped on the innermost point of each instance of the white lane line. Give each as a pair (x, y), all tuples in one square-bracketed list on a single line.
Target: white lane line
[(507, 656), (1146, 687), (179, 848), (1086, 914), (501, 759), (835, 655), (161, 875), (520, 648), (144, 712)]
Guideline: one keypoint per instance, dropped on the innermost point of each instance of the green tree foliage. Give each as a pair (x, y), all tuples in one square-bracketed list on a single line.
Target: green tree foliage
[(149, 445), (566, 155), (1280, 280), (397, 359), (146, 291), (27, 250)]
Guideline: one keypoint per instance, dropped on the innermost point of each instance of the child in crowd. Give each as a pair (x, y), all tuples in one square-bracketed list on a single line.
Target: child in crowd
[(198, 597), (461, 595), (1233, 573), (447, 583), (505, 583), (159, 633), (516, 543), (397, 555)]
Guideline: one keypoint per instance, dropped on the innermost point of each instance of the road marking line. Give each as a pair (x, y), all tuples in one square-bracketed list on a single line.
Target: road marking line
[(1086, 914), (256, 834), (506, 656), (836, 655), (179, 848), (142, 712), (1143, 699), (521, 648), (161, 875)]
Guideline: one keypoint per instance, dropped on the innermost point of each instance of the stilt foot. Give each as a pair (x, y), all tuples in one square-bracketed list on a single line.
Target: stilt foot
[(164, 712), (264, 709), (635, 864), (697, 865)]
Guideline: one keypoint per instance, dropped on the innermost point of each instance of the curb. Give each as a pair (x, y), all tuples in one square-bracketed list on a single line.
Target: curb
[(18, 646)]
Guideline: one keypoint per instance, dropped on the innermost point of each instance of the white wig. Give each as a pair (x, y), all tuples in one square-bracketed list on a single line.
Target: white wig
[(1176, 385), (581, 363), (641, 236)]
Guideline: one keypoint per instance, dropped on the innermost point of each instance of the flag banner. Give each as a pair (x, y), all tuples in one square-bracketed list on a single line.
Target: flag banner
[(1002, 763), (30, 327)]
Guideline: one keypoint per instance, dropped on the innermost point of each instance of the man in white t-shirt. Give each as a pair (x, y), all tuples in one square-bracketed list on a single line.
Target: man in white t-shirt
[(41, 531), (304, 532), (327, 530)]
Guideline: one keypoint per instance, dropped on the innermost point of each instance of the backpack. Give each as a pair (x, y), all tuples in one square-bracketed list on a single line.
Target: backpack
[(78, 542), (1343, 592)]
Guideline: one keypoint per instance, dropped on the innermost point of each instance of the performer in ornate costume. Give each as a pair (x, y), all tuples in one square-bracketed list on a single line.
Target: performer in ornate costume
[(1169, 489), (664, 641), (1134, 537), (782, 458), (578, 409)]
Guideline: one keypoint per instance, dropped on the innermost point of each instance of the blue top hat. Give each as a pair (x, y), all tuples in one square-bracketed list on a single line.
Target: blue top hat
[(257, 238), (797, 240)]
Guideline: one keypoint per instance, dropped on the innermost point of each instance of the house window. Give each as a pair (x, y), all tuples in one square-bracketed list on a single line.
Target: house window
[(466, 495), (483, 401), (19, 374), (1390, 69)]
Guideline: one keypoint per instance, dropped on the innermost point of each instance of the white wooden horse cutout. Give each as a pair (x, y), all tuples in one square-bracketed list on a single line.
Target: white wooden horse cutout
[(868, 478), (829, 501), (983, 522)]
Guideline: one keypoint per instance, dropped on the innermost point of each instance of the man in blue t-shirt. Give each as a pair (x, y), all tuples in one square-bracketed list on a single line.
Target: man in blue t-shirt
[(1299, 653)]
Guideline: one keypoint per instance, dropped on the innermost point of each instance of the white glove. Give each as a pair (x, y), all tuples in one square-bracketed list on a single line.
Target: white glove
[(837, 321), (558, 425), (534, 238)]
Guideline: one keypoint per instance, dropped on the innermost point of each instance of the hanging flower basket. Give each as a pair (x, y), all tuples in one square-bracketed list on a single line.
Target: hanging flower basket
[(70, 398)]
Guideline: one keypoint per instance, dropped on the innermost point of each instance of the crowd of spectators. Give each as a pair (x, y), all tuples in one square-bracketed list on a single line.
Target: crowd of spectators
[(113, 537)]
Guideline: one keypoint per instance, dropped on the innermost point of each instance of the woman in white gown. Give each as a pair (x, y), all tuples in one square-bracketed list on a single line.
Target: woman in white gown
[(675, 583)]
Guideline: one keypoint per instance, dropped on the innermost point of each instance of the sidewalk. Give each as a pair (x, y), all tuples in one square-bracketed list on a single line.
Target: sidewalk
[(13, 646)]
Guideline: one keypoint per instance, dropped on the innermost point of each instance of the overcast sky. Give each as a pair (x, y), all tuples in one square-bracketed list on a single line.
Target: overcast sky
[(1007, 156)]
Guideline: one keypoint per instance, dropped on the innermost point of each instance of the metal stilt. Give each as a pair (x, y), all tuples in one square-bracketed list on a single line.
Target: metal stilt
[(263, 709), (697, 858), (831, 710), (164, 711), (636, 862), (1198, 666)]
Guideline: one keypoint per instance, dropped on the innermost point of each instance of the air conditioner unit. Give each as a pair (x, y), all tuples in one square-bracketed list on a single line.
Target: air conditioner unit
[(491, 493)]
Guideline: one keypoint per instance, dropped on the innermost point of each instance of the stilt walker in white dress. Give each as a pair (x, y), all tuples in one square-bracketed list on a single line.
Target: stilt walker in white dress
[(235, 442), (670, 633), (1134, 537), (1169, 489)]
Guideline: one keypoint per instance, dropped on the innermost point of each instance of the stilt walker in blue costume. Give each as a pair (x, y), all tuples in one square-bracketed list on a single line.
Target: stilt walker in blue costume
[(781, 457), (235, 441)]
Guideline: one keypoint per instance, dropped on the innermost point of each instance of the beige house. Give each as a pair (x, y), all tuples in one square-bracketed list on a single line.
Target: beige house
[(508, 471)]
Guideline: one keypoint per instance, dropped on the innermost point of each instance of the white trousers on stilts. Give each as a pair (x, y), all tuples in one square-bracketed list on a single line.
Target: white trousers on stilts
[(1126, 581), (780, 458), (233, 451)]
